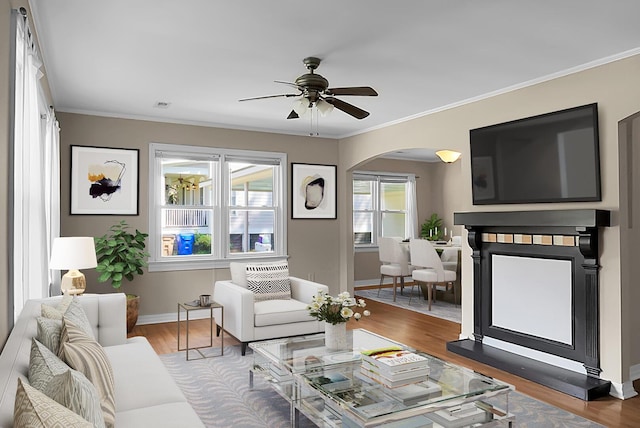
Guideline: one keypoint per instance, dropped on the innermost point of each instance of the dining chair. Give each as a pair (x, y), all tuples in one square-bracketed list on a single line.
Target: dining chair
[(395, 262), (449, 258), (428, 269)]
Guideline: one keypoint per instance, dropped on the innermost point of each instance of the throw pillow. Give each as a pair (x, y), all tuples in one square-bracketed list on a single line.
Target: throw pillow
[(84, 354), (33, 409), (74, 391), (50, 375), (43, 365), (269, 281), (48, 333), (72, 311), (49, 311)]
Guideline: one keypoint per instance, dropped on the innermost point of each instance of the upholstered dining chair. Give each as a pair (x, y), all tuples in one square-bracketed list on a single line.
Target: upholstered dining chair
[(449, 258), (395, 262), (428, 269)]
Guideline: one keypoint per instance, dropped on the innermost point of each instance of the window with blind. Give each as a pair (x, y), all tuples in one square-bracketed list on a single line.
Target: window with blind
[(209, 206), (383, 205)]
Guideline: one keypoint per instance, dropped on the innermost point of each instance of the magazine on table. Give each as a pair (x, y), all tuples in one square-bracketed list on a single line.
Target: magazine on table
[(394, 359), (391, 382)]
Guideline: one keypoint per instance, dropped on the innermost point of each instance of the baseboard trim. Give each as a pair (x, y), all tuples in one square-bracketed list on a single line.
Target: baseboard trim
[(623, 391), (171, 317)]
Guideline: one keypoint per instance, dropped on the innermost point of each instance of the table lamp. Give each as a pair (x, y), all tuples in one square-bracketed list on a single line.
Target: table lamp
[(73, 253)]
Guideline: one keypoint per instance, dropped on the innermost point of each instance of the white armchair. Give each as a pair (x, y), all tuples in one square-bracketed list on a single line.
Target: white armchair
[(249, 320)]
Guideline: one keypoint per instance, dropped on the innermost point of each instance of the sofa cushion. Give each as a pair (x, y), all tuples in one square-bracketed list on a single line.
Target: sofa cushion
[(88, 357), (48, 333), (33, 409), (141, 379), (74, 391), (273, 312), (269, 281)]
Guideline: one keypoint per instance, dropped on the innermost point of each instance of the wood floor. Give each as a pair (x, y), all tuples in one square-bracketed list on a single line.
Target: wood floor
[(428, 334)]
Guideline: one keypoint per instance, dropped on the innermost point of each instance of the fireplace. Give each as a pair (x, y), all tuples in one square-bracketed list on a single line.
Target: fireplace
[(536, 311)]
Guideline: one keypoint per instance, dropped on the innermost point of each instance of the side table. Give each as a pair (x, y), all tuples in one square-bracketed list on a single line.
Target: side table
[(187, 308)]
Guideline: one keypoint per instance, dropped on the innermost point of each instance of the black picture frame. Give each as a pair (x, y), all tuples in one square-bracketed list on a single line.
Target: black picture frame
[(104, 181), (313, 191)]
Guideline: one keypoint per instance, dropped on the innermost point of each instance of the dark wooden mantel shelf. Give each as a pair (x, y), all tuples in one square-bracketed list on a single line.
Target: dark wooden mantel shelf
[(554, 218)]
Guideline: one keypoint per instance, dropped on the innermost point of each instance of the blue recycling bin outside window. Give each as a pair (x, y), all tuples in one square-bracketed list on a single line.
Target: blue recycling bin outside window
[(185, 244)]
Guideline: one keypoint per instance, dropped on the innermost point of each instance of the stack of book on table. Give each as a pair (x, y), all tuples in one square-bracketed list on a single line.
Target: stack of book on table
[(394, 366)]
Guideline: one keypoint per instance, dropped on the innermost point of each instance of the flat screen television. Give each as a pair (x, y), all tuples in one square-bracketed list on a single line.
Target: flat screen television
[(553, 157)]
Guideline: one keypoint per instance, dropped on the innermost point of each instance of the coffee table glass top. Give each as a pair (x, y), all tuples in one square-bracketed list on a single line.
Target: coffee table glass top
[(304, 353), (446, 386), (448, 391)]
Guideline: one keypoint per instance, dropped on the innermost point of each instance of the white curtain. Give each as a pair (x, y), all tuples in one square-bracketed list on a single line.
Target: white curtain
[(35, 174)]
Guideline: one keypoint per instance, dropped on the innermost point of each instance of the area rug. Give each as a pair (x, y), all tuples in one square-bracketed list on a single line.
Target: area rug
[(218, 389), (440, 309)]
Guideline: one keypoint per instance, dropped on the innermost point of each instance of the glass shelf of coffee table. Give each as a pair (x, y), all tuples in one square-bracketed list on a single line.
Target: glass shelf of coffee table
[(456, 396)]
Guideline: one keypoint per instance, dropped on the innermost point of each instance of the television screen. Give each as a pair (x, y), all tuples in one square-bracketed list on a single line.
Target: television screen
[(553, 157)]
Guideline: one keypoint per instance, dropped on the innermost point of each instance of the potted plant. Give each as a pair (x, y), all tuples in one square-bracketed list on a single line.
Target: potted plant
[(432, 228), (121, 255)]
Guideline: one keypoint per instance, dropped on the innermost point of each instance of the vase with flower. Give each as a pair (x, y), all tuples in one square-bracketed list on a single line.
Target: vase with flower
[(335, 312)]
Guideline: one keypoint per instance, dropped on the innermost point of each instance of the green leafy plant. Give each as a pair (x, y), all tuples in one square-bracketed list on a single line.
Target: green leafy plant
[(431, 229), (202, 243), (121, 254)]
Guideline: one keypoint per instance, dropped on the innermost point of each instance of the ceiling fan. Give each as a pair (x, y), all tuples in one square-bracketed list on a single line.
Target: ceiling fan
[(314, 91)]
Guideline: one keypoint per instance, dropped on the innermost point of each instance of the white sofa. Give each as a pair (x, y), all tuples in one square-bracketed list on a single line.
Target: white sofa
[(248, 320), (145, 393)]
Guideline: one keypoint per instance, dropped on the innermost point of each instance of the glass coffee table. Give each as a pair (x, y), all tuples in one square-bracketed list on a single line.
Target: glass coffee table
[(330, 389)]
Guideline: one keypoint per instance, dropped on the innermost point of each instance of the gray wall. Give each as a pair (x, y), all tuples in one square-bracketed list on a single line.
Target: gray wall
[(311, 243)]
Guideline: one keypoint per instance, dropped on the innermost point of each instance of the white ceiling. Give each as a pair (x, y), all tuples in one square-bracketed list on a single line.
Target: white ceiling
[(120, 57)]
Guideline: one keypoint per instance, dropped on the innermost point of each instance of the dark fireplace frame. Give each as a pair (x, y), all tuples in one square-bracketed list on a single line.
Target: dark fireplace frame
[(584, 226)]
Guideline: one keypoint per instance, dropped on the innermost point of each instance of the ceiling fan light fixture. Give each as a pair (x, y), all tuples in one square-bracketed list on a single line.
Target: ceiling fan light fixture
[(448, 156), (301, 106), (324, 107)]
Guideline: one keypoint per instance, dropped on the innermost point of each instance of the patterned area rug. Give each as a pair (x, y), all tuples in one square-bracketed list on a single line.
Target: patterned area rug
[(218, 390), (440, 309)]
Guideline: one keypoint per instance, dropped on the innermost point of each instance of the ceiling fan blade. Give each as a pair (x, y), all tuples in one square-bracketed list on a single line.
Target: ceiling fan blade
[(354, 111), (270, 96), (293, 85), (293, 115), (356, 90)]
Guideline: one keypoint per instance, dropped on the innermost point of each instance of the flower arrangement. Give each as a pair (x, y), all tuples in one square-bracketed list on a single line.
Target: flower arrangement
[(336, 310)]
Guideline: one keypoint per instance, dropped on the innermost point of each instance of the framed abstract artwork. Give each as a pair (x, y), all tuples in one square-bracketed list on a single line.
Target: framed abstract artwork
[(313, 191), (104, 181)]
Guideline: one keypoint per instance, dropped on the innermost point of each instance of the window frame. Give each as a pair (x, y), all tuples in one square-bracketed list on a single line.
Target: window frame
[(378, 178), (220, 199)]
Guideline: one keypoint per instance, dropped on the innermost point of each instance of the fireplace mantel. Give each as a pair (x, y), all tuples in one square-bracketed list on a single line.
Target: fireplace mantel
[(568, 235), (557, 218)]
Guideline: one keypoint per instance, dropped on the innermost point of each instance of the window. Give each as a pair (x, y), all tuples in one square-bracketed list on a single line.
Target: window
[(383, 205), (209, 206)]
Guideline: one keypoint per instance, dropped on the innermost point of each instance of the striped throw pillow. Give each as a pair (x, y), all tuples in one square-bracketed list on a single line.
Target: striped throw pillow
[(84, 354)]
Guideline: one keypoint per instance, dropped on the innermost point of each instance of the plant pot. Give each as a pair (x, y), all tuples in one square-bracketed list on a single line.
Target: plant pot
[(133, 303)]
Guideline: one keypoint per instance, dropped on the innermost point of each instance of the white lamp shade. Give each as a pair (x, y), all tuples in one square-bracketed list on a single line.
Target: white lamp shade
[(77, 252), (324, 107), (448, 156), (301, 106)]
